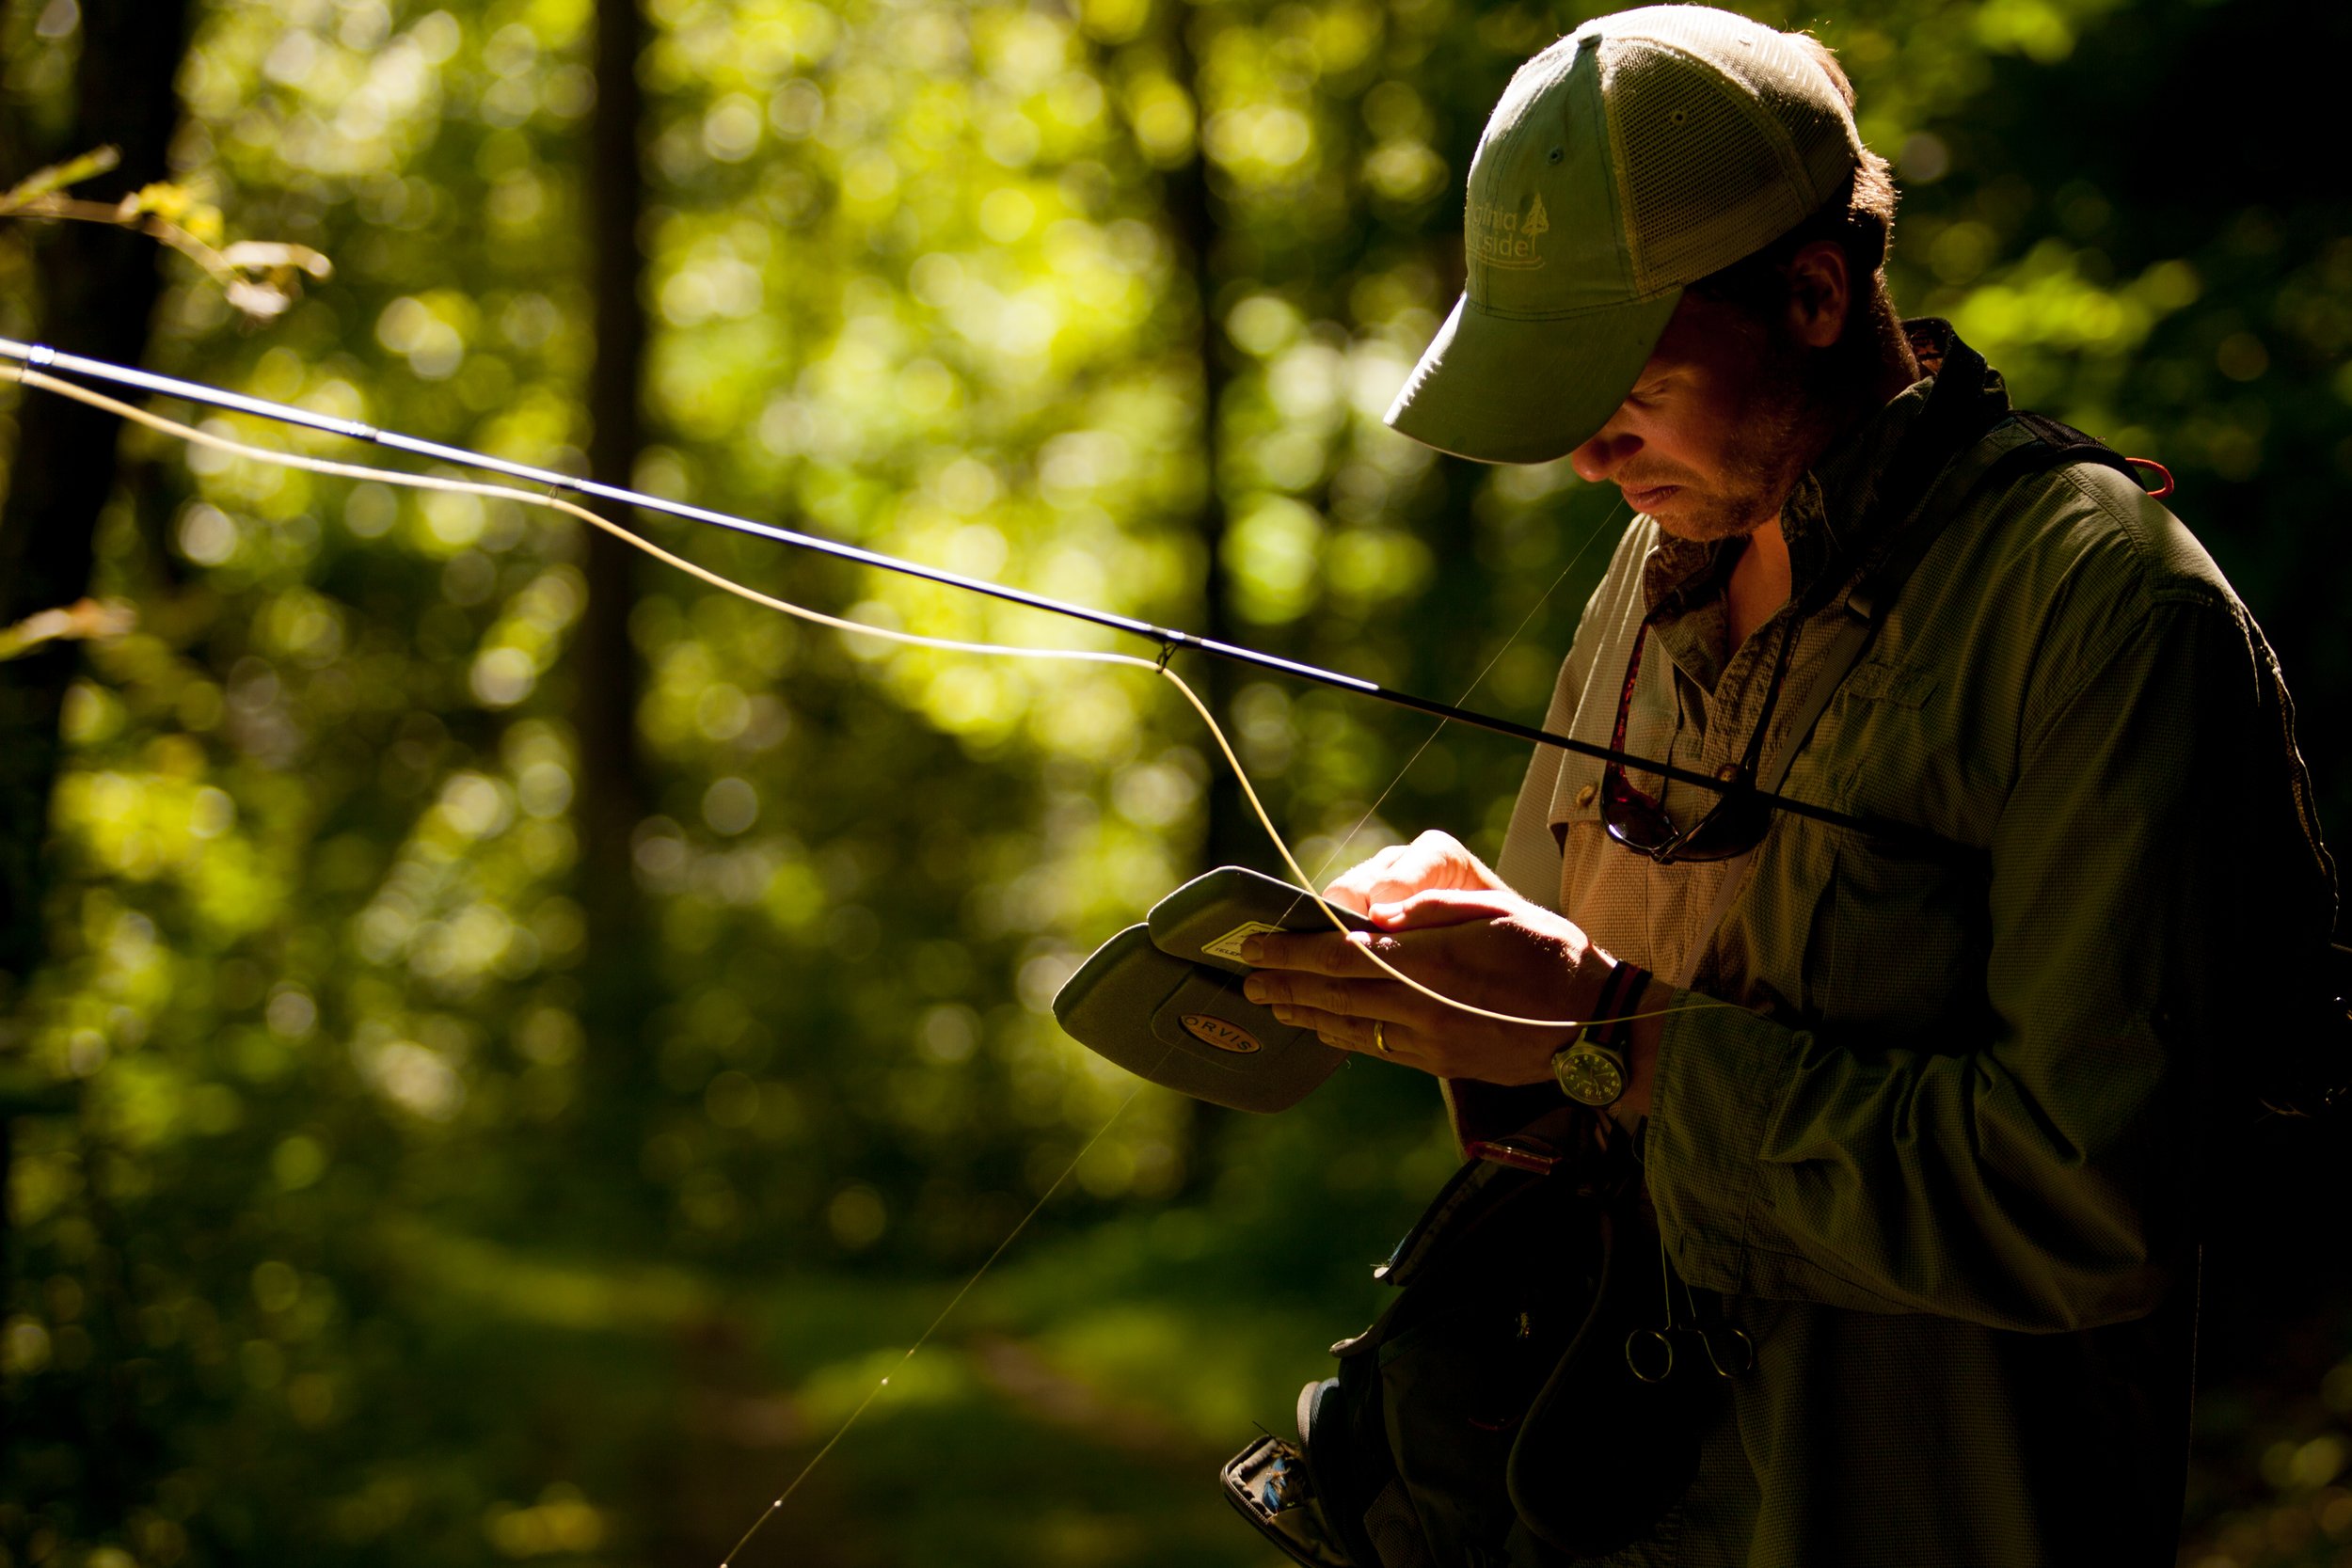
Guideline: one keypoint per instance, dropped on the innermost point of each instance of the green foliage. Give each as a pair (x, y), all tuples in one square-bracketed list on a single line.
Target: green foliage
[(260, 277), (44, 181), (331, 1242)]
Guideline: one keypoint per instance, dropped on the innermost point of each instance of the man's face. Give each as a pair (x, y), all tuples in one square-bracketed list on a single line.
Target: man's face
[(1715, 433)]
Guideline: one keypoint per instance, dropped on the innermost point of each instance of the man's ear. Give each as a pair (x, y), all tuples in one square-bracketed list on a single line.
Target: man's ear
[(1820, 291)]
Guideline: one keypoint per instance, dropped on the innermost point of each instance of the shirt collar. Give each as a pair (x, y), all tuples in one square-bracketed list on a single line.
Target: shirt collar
[(1828, 519)]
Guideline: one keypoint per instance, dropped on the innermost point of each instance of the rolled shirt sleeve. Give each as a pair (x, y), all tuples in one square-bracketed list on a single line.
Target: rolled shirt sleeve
[(1927, 1122), (2035, 1177)]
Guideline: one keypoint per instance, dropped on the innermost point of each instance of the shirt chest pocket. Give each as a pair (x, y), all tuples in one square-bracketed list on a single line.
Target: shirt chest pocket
[(1898, 943), (1881, 750), (1576, 795), (1903, 686), (1653, 729)]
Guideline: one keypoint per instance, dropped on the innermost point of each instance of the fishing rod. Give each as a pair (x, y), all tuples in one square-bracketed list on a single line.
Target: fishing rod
[(40, 357)]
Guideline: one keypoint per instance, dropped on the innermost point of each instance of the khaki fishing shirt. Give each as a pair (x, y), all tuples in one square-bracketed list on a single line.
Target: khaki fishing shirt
[(1936, 1157)]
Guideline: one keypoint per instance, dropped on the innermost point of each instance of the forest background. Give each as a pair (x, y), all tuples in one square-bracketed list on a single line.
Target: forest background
[(505, 1045)]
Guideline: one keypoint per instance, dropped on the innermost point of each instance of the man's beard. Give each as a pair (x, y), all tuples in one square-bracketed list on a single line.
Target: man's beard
[(1773, 445)]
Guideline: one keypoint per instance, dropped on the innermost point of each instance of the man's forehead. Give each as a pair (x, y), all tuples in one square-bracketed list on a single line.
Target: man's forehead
[(1701, 330)]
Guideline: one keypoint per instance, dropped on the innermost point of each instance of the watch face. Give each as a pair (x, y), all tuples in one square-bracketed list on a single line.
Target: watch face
[(1589, 1075)]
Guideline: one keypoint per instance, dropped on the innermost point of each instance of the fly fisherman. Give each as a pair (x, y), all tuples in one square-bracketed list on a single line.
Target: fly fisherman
[(1920, 1111)]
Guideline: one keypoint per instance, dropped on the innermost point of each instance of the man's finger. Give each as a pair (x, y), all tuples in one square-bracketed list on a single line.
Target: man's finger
[(1330, 1028), (1434, 859), (1312, 952), (1444, 907), (1348, 998), (1377, 880), (1372, 1038)]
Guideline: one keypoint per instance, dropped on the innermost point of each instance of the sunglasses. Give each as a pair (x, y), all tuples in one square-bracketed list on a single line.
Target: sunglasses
[(1737, 821)]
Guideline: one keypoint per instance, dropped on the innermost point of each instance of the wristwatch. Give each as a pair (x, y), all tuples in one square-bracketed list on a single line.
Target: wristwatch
[(1591, 1068)]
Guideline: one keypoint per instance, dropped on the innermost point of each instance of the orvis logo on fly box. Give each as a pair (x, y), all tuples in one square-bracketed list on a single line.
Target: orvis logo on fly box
[(1224, 1035)]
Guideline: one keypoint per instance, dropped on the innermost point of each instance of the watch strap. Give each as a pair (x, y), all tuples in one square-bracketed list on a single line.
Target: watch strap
[(1606, 1027), (1603, 1034)]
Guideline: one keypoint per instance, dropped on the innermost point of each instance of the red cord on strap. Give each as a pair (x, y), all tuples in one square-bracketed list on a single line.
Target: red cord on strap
[(2162, 472)]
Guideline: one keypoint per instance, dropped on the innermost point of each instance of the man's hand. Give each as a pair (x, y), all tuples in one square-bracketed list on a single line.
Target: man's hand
[(1485, 946), (1432, 862)]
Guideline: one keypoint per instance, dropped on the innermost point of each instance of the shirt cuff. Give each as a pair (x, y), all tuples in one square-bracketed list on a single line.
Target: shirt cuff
[(1721, 1074)]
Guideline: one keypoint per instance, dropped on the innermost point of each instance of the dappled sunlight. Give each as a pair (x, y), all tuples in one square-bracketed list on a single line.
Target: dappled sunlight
[(432, 1145)]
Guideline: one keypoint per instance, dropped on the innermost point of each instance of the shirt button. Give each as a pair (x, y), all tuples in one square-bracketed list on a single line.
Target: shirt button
[(1584, 795)]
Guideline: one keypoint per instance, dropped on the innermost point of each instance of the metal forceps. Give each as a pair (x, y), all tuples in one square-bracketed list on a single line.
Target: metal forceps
[(1649, 1353)]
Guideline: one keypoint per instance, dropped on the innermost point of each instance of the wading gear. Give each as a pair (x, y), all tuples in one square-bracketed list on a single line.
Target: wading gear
[(1494, 1414)]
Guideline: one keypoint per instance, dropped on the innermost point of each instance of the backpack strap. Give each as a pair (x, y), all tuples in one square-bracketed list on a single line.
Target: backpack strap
[(2018, 442), (2069, 445)]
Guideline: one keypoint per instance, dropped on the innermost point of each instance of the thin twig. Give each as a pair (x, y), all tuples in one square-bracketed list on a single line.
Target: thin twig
[(86, 621), (260, 277)]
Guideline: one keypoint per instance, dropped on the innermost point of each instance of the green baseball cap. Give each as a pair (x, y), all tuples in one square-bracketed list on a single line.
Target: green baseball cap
[(1641, 152)]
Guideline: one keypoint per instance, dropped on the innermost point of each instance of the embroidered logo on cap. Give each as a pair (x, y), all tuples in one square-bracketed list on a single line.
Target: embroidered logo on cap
[(1502, 237)]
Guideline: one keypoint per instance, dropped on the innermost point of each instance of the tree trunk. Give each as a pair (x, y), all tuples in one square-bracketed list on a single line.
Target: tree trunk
[(1232, 834), (612, 793), (98, 287)]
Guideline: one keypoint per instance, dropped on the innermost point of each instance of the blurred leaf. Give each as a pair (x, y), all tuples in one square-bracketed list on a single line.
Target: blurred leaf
[(57, 177), (84, 620), (272, 256)]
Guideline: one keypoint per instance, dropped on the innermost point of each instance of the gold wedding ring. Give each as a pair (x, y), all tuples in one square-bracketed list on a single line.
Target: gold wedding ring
[(1379, 1038)]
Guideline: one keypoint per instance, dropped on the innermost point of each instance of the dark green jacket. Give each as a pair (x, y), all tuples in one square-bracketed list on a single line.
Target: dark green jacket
[(1939, 1154)]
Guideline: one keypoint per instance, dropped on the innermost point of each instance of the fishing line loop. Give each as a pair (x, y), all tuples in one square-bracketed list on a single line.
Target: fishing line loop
[(1088, 656), (31, 377), (214, 397)]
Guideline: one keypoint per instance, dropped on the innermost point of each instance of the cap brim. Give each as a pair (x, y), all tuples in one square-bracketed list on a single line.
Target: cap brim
[(1505, 389)]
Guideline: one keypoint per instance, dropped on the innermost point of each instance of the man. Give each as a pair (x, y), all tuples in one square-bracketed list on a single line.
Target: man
[(1921, 1109)]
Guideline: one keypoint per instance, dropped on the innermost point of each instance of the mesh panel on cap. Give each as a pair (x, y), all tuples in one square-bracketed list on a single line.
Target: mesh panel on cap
[(1705, 182), (1793, 90)]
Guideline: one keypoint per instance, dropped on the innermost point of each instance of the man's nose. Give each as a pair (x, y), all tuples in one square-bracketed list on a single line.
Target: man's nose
[(1604, 454)]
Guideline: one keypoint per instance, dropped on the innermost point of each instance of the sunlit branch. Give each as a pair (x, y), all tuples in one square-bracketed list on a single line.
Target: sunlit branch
[(86, 621), (260, 277)]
